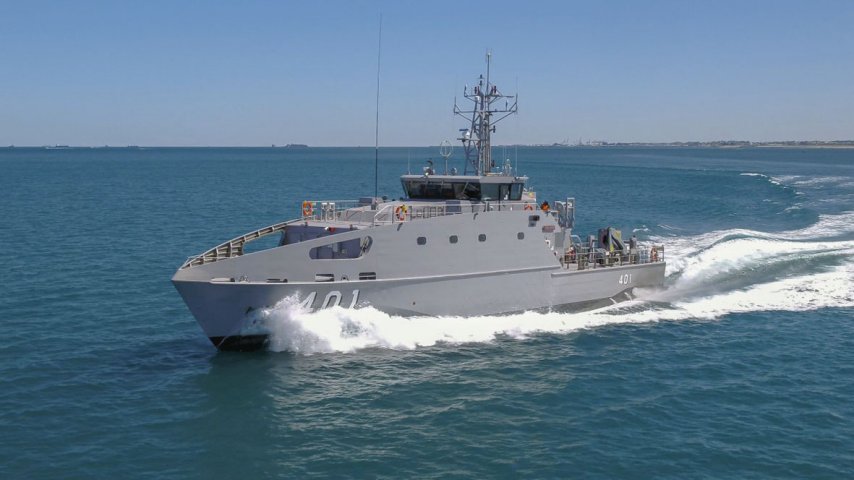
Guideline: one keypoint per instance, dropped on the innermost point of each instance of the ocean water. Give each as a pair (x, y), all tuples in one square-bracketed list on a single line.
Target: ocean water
[(742, 366)]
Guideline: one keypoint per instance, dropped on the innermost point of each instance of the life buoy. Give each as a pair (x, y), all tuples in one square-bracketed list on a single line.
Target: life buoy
[(653, 254), (307, 208), (529, 207), (400, 212)]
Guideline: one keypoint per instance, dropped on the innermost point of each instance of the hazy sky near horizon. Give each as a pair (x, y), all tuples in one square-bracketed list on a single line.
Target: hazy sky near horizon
[(273, 72)]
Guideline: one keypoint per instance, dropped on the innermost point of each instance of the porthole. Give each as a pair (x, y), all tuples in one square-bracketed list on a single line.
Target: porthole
[(481, 237), (453, 239), (520, 235), (422, 240)]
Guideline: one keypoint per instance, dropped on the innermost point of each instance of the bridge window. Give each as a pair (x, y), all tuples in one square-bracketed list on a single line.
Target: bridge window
[(443, 189), (425, 189), (501, 191), (489, 191)]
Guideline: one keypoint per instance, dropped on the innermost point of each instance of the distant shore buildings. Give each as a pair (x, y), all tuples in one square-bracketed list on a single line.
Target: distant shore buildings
[(711, 144)]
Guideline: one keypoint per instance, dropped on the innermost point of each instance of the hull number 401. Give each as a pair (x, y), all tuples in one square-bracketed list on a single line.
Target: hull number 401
[(332, 299)]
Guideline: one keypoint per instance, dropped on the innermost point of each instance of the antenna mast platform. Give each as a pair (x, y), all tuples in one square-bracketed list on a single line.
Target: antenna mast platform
[(483, 117)]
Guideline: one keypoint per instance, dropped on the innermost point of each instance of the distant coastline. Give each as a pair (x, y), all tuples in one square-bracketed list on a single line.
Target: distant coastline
[(588, 144), (714, 144)]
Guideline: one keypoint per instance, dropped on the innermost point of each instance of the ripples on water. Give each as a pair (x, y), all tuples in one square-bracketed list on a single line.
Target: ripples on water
[(741, 367)]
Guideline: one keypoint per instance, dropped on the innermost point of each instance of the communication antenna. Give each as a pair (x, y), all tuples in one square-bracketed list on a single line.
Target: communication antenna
[(445, 150), (377, 122), (516, 145)]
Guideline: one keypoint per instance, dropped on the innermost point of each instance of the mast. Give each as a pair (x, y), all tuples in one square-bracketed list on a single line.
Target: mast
[(377, 123), (483, 116)]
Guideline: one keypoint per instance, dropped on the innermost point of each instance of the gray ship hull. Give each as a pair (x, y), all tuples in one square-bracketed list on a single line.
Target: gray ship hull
[(223, 308)]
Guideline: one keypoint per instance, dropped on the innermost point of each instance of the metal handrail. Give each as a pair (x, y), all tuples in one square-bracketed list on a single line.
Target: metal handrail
[(374, 220), (585, 257), (234, 247), (357, 213)]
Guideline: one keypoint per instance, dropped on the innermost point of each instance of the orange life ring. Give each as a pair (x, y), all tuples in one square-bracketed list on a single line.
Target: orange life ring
[(307, 208), (528, 206), (400, 212), (653, 254)]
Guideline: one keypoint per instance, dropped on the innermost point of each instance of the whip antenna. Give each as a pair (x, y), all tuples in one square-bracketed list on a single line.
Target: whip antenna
[(377, 121)]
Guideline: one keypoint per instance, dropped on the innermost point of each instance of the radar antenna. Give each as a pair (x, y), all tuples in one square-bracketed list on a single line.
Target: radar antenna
[(483, 117)]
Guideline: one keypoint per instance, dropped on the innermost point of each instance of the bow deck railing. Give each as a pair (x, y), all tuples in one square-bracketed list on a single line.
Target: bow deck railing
[(234, 247)]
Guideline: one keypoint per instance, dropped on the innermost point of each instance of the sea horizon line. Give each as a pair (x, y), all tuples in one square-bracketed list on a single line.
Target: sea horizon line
[(589, 144)]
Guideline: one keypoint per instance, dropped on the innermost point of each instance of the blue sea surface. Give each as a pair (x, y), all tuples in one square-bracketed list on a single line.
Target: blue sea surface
[(742, 366)]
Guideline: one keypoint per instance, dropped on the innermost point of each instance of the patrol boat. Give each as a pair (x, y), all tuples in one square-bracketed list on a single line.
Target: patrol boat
[(457, 244)]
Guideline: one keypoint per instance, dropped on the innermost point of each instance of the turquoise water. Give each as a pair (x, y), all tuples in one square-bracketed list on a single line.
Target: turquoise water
[(741, 367)]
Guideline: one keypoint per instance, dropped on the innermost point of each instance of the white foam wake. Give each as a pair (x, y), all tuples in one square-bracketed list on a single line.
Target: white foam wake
[(722, 249), (709, 275), (810, 181), (340, 330), (771, 180)]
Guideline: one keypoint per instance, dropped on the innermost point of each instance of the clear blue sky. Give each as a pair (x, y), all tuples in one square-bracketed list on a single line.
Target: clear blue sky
[(258, 73)]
